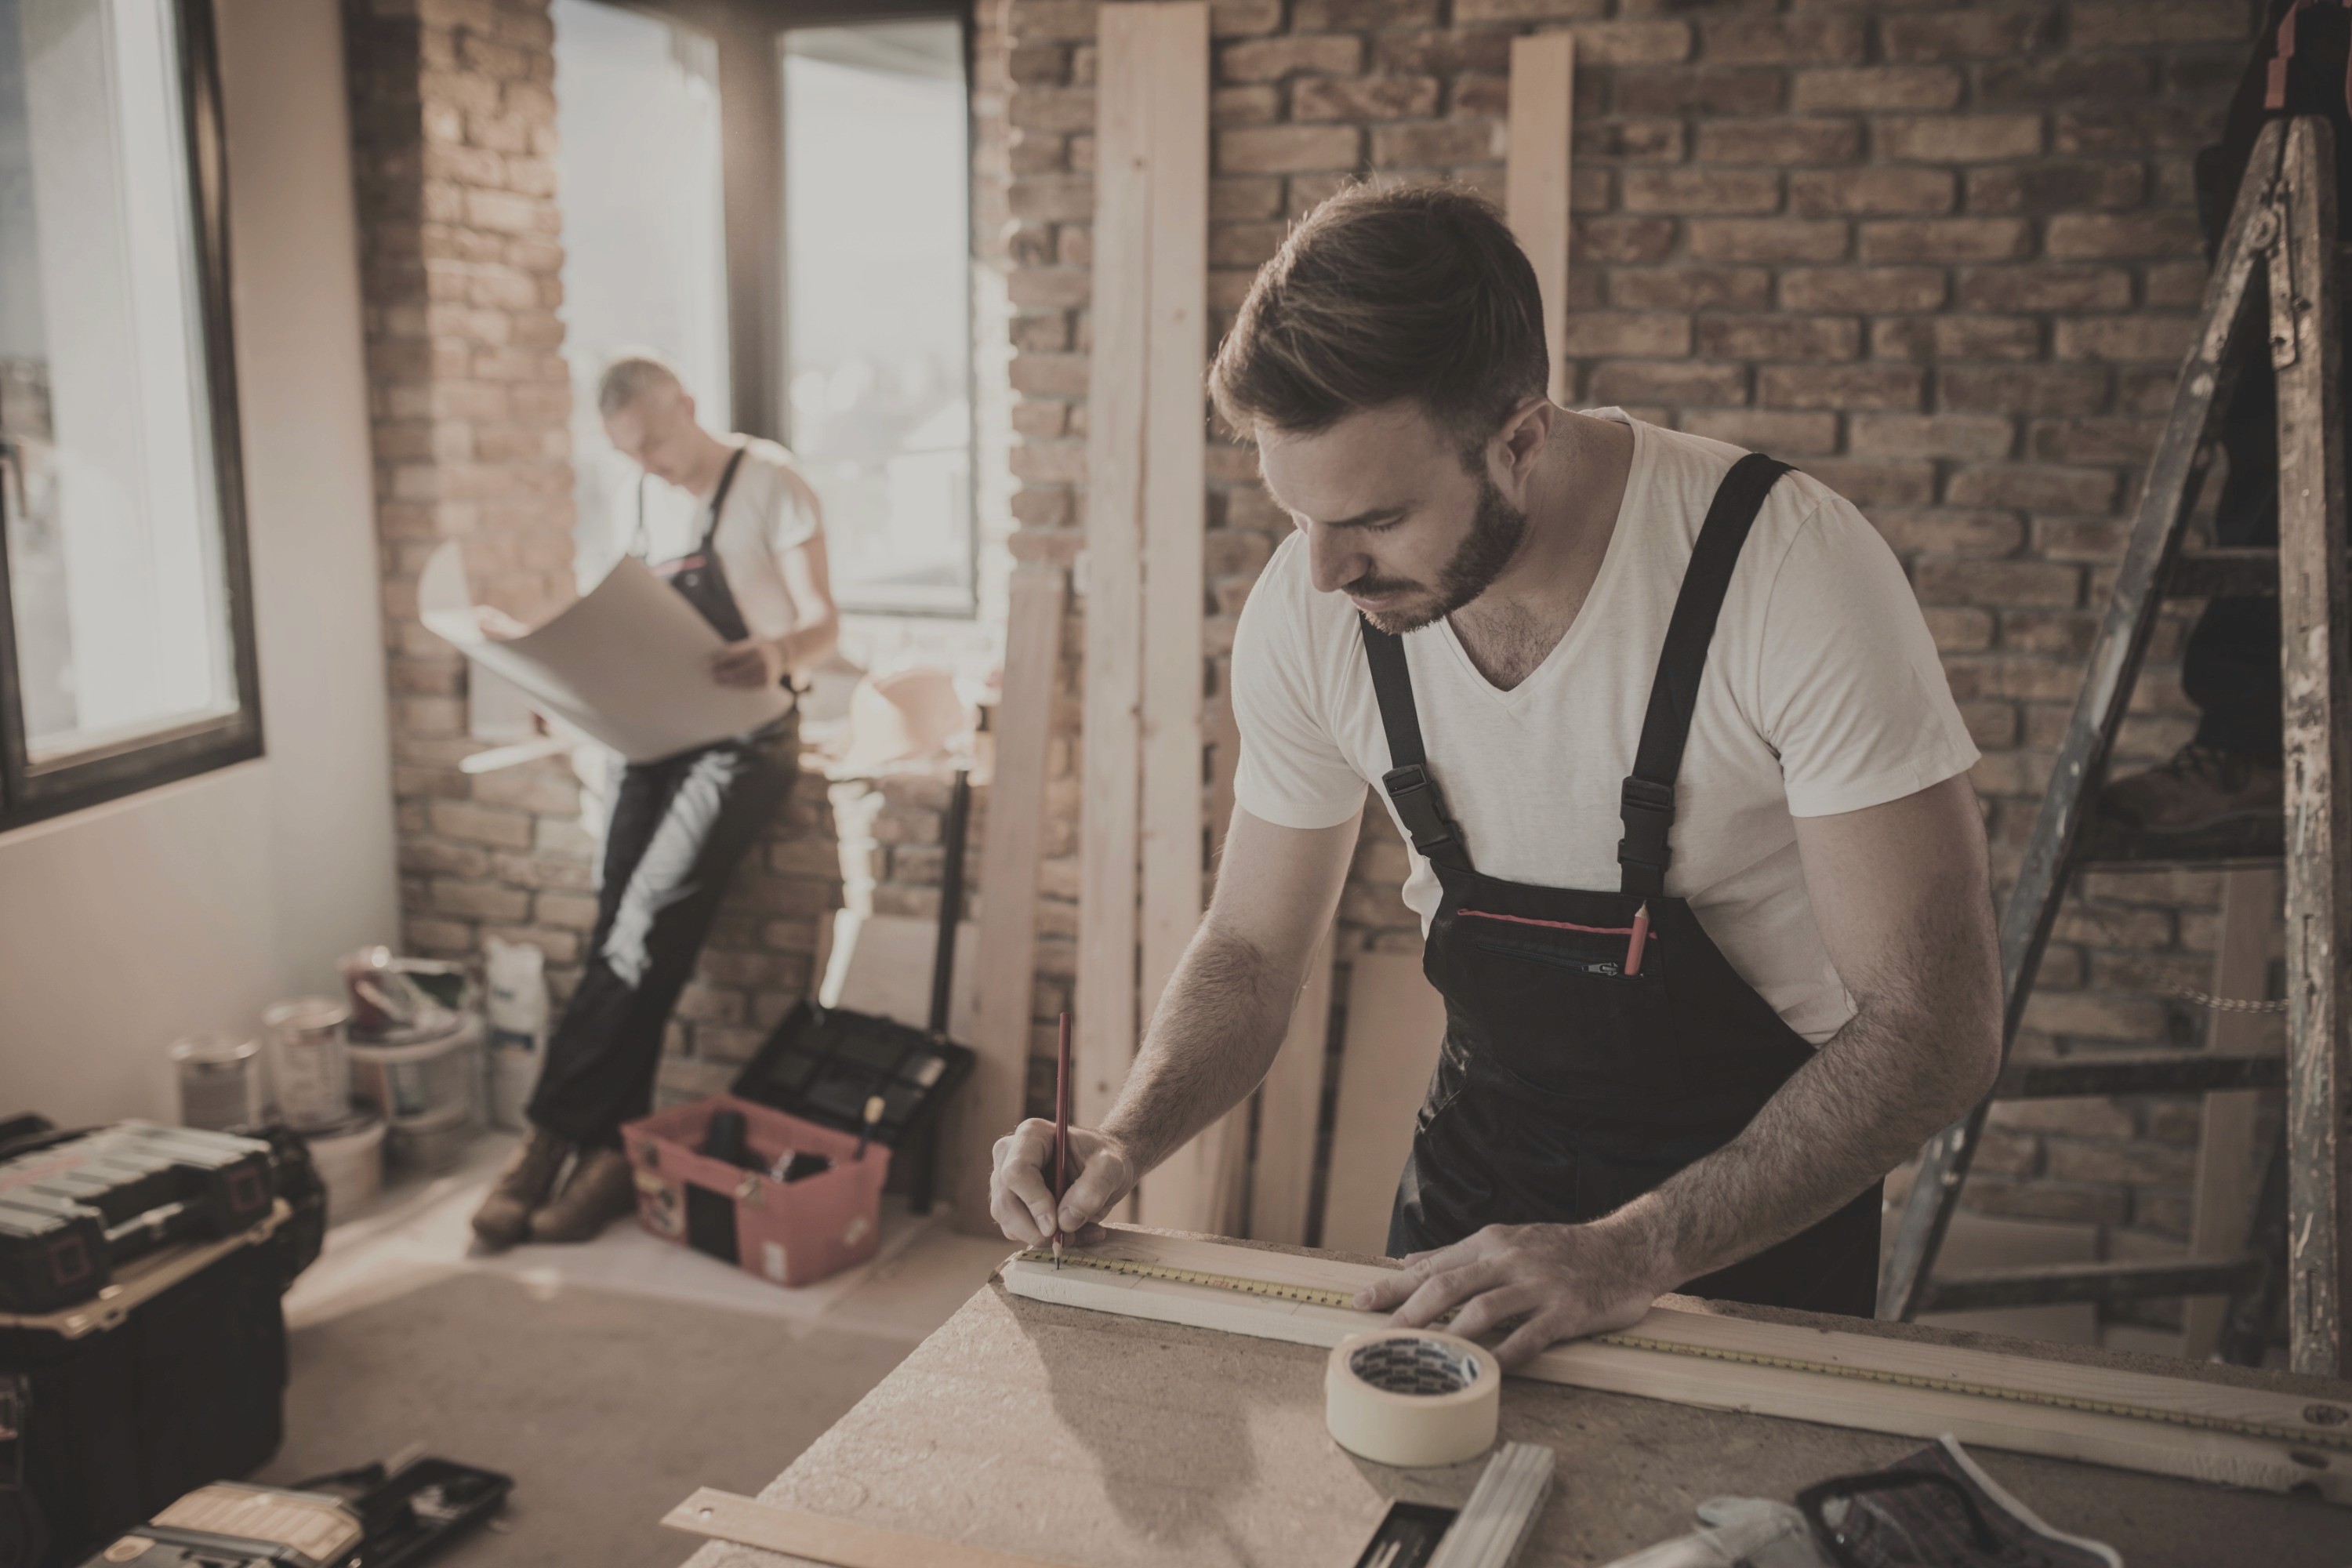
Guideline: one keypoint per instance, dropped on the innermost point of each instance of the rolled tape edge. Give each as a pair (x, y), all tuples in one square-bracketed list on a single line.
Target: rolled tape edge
[(1411, 1430)]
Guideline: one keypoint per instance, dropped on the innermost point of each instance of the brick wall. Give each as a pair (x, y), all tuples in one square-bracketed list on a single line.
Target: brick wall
[(1944, 257), (454, 151)]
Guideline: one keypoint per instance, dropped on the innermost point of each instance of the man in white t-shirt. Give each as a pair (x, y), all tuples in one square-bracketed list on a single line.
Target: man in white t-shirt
[(1702, 877), (751, 560)]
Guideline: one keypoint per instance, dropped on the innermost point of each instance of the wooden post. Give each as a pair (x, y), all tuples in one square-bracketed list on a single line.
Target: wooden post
[(993, 1097), (1536, 177), (2315, 615), (2224, 1208)]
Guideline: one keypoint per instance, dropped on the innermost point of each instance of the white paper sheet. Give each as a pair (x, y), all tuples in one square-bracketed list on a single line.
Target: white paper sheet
[(628, 664)]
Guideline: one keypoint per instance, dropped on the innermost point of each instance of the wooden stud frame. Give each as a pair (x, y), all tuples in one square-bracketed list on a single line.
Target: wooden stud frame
[(1536, 178)]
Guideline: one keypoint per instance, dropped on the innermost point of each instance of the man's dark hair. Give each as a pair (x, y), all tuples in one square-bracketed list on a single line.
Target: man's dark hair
[(1379, 295)]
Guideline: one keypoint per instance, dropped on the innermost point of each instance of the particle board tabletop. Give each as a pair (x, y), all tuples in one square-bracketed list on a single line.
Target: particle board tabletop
[(1100, 1441)]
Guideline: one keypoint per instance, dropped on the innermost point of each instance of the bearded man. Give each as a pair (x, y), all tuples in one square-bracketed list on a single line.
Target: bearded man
[(1702, 877)]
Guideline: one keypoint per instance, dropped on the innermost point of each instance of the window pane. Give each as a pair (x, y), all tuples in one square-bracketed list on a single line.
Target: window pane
[(644, 263), (114, 539), (878, 325)]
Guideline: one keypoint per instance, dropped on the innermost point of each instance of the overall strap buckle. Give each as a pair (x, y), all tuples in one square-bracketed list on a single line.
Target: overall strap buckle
[(1420, 807), (1648, 810)]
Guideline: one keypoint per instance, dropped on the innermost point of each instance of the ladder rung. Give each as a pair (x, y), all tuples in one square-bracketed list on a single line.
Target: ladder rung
[(2234, 573), (2254, 842), (2164, 1072), (2051, 1283)]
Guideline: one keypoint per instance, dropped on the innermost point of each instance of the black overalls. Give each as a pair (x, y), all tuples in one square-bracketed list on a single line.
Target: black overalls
[(678, 828), (1597, 1042)]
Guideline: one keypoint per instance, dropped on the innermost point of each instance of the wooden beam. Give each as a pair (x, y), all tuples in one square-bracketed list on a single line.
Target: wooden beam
[(1188, 1192), (836, 1542), (1006, 954), (1685, 1355), (1536, 178), (2222, 1209), (1105, 1025), (1396, 1021), (2316, 618), (1290, 1107)]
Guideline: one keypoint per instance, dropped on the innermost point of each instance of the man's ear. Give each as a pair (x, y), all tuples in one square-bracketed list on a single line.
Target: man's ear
[(1520, 442)]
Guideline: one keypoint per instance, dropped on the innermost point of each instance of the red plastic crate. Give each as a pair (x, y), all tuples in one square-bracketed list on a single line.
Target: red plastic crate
[(789, 1233)]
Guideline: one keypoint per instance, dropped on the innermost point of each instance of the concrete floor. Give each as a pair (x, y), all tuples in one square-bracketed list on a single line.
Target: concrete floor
[(609, 1379)]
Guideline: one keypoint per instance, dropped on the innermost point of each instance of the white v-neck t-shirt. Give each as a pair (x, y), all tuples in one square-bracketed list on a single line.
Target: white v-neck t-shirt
[(1823, 694)]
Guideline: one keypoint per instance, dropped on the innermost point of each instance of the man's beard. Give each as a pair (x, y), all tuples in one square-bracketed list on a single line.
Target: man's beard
[(1495, 530)]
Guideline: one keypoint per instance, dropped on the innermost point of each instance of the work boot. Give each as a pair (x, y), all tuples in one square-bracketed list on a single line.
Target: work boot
[(2202, 787), (602, 1189), (531, 1170)]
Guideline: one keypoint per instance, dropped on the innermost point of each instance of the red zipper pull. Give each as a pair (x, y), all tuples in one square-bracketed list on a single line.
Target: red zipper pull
[(1637, 941)]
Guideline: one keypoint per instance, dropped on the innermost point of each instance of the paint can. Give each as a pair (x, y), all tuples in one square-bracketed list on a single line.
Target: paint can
[(309, 1062), (422, 1078), (428, 1145), (348, 1156), (220, 1081)]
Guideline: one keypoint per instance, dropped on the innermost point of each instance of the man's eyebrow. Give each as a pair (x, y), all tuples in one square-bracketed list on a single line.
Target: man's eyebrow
[(1368, 519)]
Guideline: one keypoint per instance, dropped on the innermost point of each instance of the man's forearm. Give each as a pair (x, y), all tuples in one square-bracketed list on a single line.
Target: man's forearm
[(1210, 1041), (1923, 1049)]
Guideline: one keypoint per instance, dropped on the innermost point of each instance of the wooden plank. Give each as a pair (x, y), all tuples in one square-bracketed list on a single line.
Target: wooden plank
[(1396, 1021), (1190, 1189), (1006, 954), (2222, 1207), (1690, 1356), (1290, 1106), (1536, 178), (2316, 618), (2183, 454), (835, 1542), (2044, 1284), (1104, 1022)]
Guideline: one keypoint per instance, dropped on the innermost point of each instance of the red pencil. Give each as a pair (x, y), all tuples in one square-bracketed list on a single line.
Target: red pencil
[(1061, 1133)]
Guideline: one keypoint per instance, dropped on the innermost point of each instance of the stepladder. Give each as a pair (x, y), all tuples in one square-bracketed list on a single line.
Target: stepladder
[(2280, 251)]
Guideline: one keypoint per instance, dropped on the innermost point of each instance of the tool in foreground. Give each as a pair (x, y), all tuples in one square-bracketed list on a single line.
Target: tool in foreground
[(1061, 1133)]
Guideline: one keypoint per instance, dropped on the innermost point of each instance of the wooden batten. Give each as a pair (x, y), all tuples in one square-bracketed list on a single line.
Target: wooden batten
[(1536, 177), (1006, 952)]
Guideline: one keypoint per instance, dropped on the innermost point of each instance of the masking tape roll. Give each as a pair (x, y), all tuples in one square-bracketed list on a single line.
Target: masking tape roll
[(1412, 1396)]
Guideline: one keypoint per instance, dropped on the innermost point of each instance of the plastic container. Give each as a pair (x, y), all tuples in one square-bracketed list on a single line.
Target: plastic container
[(309, 1062), (428, 1145), (349, 1160), (220, 1081), (425, 1079)]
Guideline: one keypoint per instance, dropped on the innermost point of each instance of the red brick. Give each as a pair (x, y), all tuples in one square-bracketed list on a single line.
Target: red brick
[(1621, 239), (1945, 239), (2034, 488), (2065, 77), (2136, 128), (1950, 530), (1700, 190), (1280, 150), (1668, 383), (1877, 484), (1372, 97), (1780, 142), (1869, 290), (1821, 193), (1767, 239), (1788, 434), (1778, 337), (1258, 104), (1956, 138), (2021, 389), (1271, 59), (2158, 22), (1781, 40), (1468, 11), (2046, 288), (1244, 244), (2135, 337), (1243, 198), (1877, 87), (1841, 386), (2032, 583), (2097, 235), (470, 824), (2127, 442), (1956, 628), (1443, 52), (1596, 333), (1690, 287), (1929, 435), (1054, 198), (1436, 143), (1634, 140), (1697, 90), (1983, 31), (2055, 187)]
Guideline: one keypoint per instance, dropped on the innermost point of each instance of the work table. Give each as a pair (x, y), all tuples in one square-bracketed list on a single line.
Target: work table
[(1103, 1441)]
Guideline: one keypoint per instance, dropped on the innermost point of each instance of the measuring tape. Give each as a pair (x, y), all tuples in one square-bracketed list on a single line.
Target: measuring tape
[(2339, 1438)]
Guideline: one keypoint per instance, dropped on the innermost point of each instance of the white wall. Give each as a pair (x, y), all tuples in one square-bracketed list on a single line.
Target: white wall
[(194, 906)]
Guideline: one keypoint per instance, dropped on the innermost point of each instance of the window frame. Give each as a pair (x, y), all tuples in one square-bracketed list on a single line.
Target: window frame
[(32, 792)]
